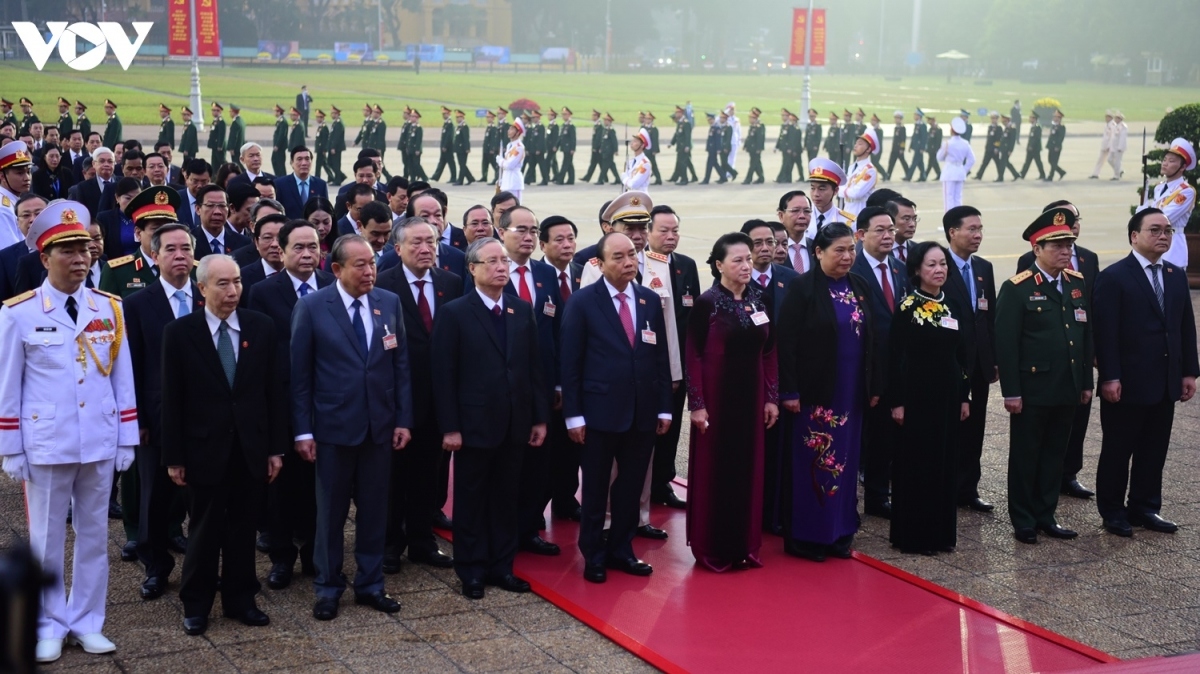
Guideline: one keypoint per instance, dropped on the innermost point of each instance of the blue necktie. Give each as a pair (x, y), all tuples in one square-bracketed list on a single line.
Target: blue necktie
[(970, 279), (303, 191), (181, 299), (304, 289), (225, 352), (360, 330)]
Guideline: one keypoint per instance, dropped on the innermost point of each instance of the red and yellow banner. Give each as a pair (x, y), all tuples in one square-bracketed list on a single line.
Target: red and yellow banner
[(800, 27), (817, 55), (179, 33)]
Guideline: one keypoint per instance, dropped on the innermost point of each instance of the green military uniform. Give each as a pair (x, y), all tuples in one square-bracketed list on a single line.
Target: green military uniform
[(608, 153), (9, 116), (1044, 354), (935, 144), (337, 145), (279, 141), (379, 142), (462, 147), (113, 133), (783, 145), (1007, 146), (597, 144), (237, 135), (991, 149), (322, 149), (796, 142), (295, 136), (833, 140), (652, 151), (446, 149), (1033, 149), (567, 143), (491, 148), (1054, 145), (189, 142), (27, 118), (682, 141), (812, 140), (364, 132), (535, 150), (166, 129), (82, 122), (416, 141), (918, 145), (216, 141), (65, 123), (402, 144), (550, 159), (899, 147), (754, 144)]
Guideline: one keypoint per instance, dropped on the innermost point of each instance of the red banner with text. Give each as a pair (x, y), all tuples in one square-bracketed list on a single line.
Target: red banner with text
[(179, 33), (817, 54), (800, 28)]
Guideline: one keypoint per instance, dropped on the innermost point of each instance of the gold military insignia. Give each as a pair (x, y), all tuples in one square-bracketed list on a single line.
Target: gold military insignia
[(1060, 219), (6, 201), (120, 261), (160, 198), (1072, 272), (69, 217), (106, 294), (656, 256), (635, 201), (14, 301), (1023, 276), (849, 216)]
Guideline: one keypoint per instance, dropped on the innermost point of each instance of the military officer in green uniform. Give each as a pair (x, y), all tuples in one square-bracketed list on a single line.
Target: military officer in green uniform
[(992, 147), (6, 113), (446, 149), (754, 144), (296, 130), (899, 146), (81, 120), (652, 151), (27, 117), (1054, 145), (567, 143), (1007, 146), (363, 139), (402, 144), (535, 147), (608, 151), (416, 145), (935, 144), (337, 145), (166, 128), (65, 124), (1044, 355), (279, 140), (783, 144), (1033, 148), (113, 133), (237, 134), (597, 143), (812, 139), (491, 147), (189, 143), (379, 138), (918, 144), (322, 143), (462, 147), (550, 160), (216, 136), (682, 142), (833, 140)]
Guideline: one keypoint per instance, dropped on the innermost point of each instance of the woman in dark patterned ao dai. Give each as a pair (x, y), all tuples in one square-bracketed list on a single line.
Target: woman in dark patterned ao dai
[(733, 396), (927, 394)]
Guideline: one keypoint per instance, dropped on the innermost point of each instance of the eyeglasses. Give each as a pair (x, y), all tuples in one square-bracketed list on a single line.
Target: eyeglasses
[(914, 219), (798, 211), (1156, 232), (215, 206), (524, 231), (881, 231)]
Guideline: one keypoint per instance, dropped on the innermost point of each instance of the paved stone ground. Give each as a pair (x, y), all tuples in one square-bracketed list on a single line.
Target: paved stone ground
[(1130, 597)]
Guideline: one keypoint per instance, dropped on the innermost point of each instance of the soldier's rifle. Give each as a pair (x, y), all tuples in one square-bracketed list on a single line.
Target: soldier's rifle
[(1145, 169)]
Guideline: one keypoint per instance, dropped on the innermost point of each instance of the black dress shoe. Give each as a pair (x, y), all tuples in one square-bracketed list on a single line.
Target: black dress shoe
[(979, 505), (280, 576), (883, 509), (841, 547), (194, 627), (153, 587), (1055, 531), (250, 616), (115, 512), (648, 531), (671, 500), (391, 562), (473, 589), (1024, 535), (177, 544), (129, 551), (1118, 527), (440, 521), (1154, 523), (1074, 489), (263, 543), (539, 546), (436, 559), (507, 582), (325, 609), (574, 515), (379, 601), (595, 574), (633, 566)]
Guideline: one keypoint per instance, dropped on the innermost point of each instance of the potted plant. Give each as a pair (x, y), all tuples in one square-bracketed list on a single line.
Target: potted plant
[(1045, 107), (1182, 122)]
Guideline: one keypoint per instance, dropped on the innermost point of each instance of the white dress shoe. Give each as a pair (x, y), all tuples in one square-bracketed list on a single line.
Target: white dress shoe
[(92, 643), (49, 650)]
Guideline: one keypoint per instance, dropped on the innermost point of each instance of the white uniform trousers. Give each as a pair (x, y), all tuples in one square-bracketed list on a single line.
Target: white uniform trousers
[(1104, 156), (50, 491), (1114, 160), (951, 193)]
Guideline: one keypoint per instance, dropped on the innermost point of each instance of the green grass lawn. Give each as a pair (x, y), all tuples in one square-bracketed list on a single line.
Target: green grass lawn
[(140, 89)]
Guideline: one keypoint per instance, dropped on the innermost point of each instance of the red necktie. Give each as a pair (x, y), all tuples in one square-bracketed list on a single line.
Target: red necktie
[(423, 307), (887, 287), (903, 255), (762, 280), (564, 286), (523, 289), (626, 318)]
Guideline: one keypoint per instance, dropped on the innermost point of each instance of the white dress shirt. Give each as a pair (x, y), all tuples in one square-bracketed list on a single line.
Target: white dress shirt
[(875, 262), (268, 269), (94, 274), (488, 302), (1145, 264), (170, 290), (296, 283), (428, 290), (515, 277), (234, 329), (364, 311), (756, 277)]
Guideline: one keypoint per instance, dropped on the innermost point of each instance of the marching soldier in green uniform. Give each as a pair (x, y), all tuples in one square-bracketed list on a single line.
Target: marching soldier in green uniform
[(166, 128), (279, 140), (296, 130), (812, 140), (682, 142), (189, 143), (113, 134), (966, 117), (379, 138), (754, 144), (796, 143), (597, 144), (81, 121), (1007, 147), (27, 117), (65, 124), (216, 136), (784, 145), (337, 145), (918, 144), (1033, 148), (992, 147), (899, 146), (462, 147), (608, 151), (1044, 355), (1054, 145), (535, 147), (491, 147), (550, 160), (363, 139), (416, 145), (567, 143), (725, 172), (402, 144), (322, 149), (6, 108), (935, 144), (877, 155), (833, 140), (652, 151), (446, 149), (502, 121), (237, 135)]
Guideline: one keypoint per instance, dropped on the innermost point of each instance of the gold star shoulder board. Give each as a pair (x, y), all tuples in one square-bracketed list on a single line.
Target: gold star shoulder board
[(195, 263), (656, 256), (14, 301), (595, 262), (1072, 272), (848, 215), (1023, 276), (106, 294), (113, 264)]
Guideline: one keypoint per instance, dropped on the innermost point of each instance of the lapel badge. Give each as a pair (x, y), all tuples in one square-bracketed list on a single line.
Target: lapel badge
[(539, 285), (440, 294), (640, 301), (779, 283), (509, 310), (245, 345), (376, 312), (1076, 293)]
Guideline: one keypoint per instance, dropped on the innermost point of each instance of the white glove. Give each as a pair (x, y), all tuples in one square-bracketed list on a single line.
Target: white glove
[(16, 467), (124, 458)]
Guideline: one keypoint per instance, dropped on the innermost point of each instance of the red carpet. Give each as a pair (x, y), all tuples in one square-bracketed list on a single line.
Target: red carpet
[(858, 615)]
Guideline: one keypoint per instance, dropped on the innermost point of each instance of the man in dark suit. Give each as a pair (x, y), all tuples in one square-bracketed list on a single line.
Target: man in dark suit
[(888, 282), (251, 160), (357, 196), (492, 408), (98, 193), (535, 283), (616, 379), (423, 290), (196, 175), (429, 205), (556, 235), (1085, 262), (795, 212), (269, 260), (213, 234), (772, 280), (351, 408), (971, 283), (1145, 335), (225, 454), (904, 212), (293, 191)]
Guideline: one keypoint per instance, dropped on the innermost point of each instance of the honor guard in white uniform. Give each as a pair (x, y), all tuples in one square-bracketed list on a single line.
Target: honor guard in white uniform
[(957, 159), (1175, 197), (512, 159), (862, 176), (67, 417), (1119, 142), (636, 177), (825, 178), (735, 141), (16, 171)]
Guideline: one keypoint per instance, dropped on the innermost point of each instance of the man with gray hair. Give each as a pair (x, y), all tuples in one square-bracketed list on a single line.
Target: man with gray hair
[(251, 158), (99, 194), (417, 472)]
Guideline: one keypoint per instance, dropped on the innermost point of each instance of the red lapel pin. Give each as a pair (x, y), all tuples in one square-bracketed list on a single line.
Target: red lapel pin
[(245, 345)]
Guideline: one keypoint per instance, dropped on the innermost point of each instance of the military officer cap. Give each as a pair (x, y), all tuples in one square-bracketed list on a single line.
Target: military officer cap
[(823, 169), (1005, 118), (710, 116), (957, 125), (536, 113), (567, 111), (846, 113), (15, 155), (812, 111), (872, 138), (335, 109), (608, 116), (964, 113), (1058, 112), (1179, 146), (596, 113), (680, 111), (109, 102), (320, 113), (1118, 114), (519, 125), (784, 112), (445, 110), (874, 117), (644, 136), (860, 113), (162, 107), (6, 103), (63, 101), (526, 118), (898, 113), (1052, 225), (293, 109), (993, 114), (631, 208), (460, 113), (26, 101), (186, 109), (754, 111), (501, 111), (78, 104), (157, 202), (216, 107), (725, 114), (61, 221), (931, 118), (378, 109), (235, 107), (551, 112), (407, 109), (792, 116), (416, 113), (832, 117), (919, 113), (490, 114)]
